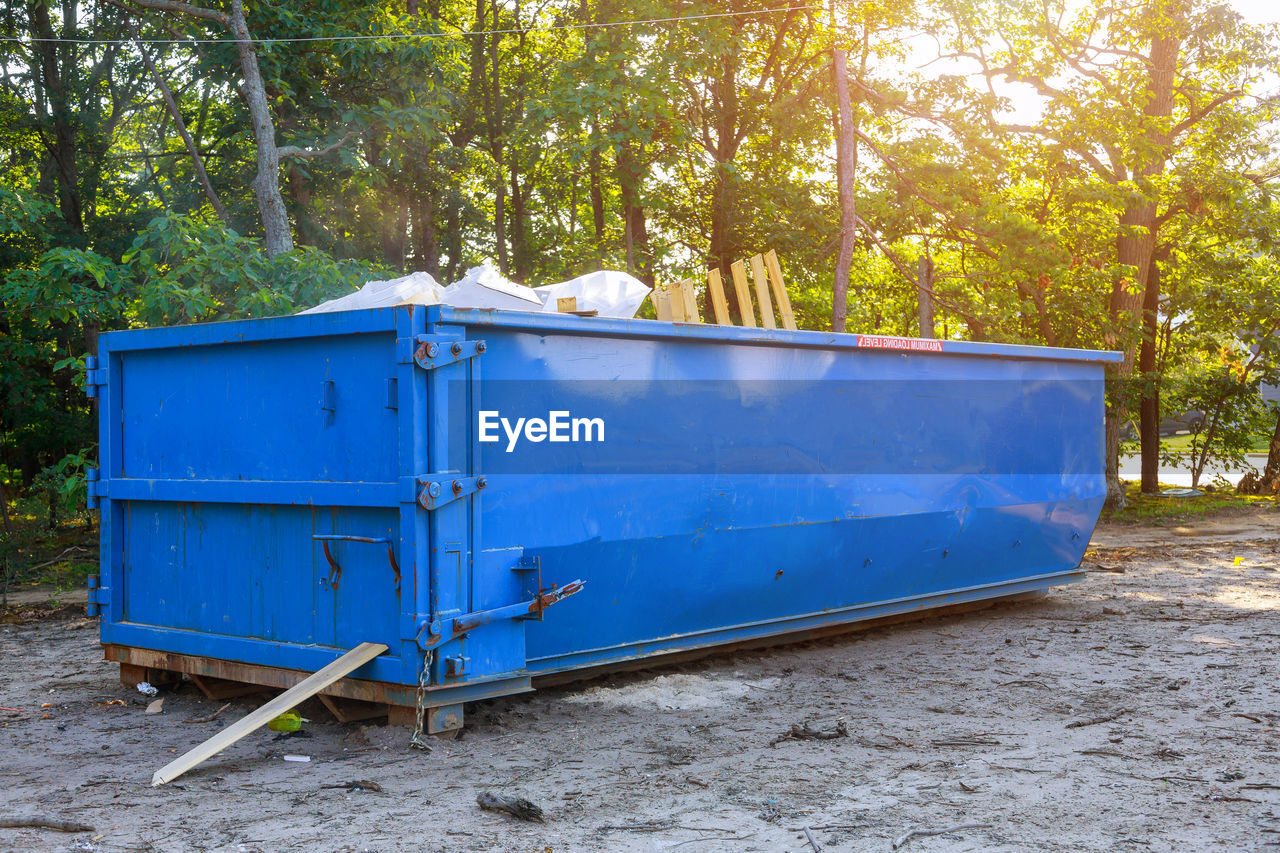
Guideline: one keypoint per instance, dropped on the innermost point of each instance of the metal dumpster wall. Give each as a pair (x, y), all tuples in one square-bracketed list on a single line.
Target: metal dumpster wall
[(910, 478), (983, 477), (226, 450)]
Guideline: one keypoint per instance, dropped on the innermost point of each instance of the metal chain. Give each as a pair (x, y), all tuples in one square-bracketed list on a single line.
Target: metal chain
[(419, 740)]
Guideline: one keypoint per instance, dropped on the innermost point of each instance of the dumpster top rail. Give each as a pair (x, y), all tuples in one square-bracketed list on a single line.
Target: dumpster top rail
[(383, 319)]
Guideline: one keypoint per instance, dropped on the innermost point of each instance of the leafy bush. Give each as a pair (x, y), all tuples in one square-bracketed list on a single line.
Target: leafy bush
[(1234, 413), (184, 269), (64, 486), (179, 269)]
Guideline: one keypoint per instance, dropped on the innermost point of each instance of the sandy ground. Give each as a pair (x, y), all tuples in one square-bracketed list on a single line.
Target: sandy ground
[(1136, 710)]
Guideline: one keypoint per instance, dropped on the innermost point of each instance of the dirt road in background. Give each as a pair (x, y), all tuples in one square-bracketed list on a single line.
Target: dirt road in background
[(1136, 710)]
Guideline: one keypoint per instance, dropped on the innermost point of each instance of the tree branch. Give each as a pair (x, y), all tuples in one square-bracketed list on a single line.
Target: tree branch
[(1084, 154), (186, 9), (307, 153), (197, 162), (1197, 115)]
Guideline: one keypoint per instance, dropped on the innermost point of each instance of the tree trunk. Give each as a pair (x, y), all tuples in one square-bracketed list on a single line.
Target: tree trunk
[(393, 223), (4, 511), (517, 224), (308, 231), (630, 183), (1149, 406), (724, 245), (1270, 481), (1135, 245), (197, 161), (597, 198), (62, 145), (924, 296), (395, 236), (846, 151), (277, 234), (426, 238), (453, 238), (496, 145)]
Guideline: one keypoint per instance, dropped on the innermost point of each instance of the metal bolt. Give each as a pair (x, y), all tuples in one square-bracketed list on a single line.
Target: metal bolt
[(480, 346), (481, 483), (456, 349), (457, 487), (433, 489), (432, 350)]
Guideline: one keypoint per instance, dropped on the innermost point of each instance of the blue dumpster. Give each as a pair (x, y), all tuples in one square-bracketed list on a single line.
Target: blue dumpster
[(499, 496)]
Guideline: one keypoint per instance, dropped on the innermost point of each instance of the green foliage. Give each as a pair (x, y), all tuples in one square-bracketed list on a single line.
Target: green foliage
[(556, 142), (180, 269), (1233, 415), (63, 486), (183, 269)]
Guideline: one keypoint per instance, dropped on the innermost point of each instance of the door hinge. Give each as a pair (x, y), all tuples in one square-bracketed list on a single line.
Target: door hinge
[(432, 352), (94, 488), (435, 492), (97, 597), (94, 376)]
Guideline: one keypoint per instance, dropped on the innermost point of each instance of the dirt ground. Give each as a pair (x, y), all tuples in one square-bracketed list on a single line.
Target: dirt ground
[(1136, 710)]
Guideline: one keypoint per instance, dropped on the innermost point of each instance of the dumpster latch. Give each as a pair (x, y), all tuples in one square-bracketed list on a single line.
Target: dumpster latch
[(435, 632), (432, 352), (436, 491)]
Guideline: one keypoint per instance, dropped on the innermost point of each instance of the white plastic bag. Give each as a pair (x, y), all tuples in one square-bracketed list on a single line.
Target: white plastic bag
[(485, 287), (417, 288), (609, 292)]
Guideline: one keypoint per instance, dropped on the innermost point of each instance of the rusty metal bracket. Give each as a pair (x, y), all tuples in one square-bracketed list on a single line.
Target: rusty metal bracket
[(335, 569), (435, 492), (432, 352), (436, 632)]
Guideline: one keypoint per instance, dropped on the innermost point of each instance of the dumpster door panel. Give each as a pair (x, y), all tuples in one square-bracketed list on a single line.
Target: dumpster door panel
[(229, 569), (359, 601)]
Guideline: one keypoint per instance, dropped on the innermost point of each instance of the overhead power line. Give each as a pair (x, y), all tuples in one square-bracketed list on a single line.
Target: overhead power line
[(30, 40)]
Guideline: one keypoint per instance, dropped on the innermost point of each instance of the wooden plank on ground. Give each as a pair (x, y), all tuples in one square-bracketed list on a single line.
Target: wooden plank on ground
[(719, 306), (690, 296), (743, 292), (296, 695), (762, 292), (779, 289), (662, 305)]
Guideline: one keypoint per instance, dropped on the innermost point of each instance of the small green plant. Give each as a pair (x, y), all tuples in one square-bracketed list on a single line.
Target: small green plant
[(64, 485), (1234, 414)]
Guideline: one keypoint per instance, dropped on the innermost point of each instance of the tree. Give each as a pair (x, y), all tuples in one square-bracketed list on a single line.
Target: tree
[(1133, 94), (277, 232)]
